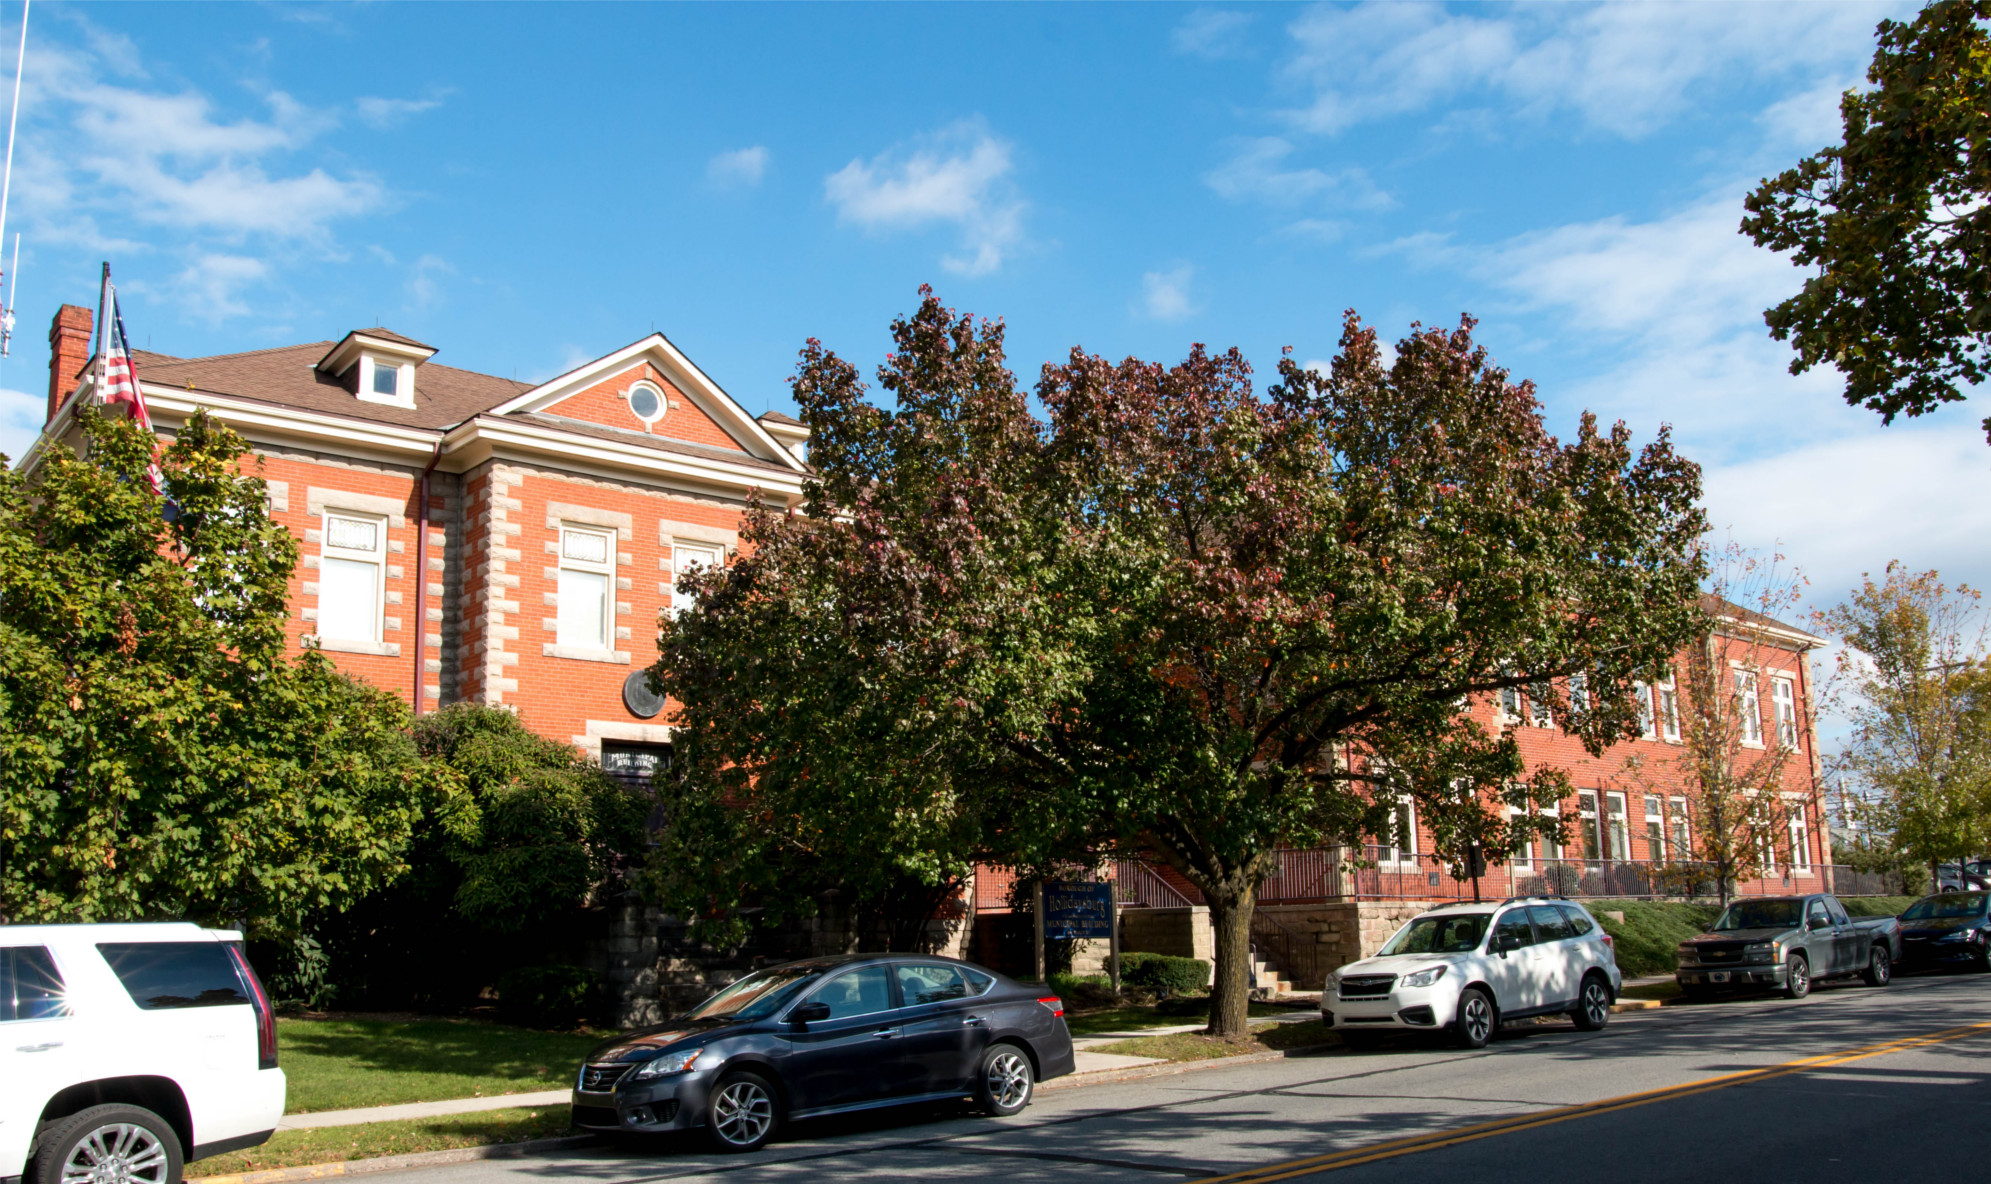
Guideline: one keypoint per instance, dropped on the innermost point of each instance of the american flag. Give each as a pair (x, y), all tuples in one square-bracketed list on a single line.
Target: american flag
[(117, 382)]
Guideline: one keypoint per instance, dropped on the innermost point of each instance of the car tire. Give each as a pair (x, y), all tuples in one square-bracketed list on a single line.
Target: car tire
[(742, 1112), (113, 1142), (1797, 977), (1984, 957), (1880, 968), (1593, 1004), (1476, 1020), (1006, 1081)]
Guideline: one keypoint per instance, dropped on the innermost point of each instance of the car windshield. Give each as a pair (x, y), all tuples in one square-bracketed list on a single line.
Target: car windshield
[(1455, 933), (758, 995), (1762, 914), (1949, 906)]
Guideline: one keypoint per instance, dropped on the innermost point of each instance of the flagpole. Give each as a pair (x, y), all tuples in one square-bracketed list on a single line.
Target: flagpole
[(103, 298), (7, 177)]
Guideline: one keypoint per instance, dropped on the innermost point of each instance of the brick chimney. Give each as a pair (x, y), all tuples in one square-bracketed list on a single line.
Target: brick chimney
[(68, 351)]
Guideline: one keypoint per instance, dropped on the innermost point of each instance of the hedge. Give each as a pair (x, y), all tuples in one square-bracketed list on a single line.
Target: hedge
[(548, 996), (1164, 974)]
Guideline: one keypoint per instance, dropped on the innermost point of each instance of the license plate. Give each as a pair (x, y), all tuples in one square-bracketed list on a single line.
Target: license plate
[(1719, 976)]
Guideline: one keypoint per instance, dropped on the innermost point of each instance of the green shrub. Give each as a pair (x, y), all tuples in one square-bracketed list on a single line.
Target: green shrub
[(548, 996), (1164, 974)]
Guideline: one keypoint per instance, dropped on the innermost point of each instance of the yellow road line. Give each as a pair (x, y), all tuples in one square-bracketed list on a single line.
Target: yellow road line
[(1412, 1144)]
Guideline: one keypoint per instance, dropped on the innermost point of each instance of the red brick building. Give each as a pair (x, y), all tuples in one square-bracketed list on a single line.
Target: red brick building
[(470, 537)]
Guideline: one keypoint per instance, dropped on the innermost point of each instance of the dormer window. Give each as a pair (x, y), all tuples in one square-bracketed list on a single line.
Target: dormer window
[(377, 366)]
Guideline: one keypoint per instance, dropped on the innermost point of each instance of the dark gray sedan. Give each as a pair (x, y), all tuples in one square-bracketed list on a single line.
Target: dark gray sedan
[(827, 1036)]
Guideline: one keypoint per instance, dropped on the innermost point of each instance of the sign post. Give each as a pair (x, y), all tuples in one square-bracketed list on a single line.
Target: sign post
[(1113, 937), (1037, 922)]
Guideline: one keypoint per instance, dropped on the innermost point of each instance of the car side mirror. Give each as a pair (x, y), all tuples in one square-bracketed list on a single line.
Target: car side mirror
[(1817, 923), (809, 1013)]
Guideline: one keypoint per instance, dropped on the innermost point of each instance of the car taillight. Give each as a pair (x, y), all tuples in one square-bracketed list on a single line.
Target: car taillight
[(1056, 1005), (1611, 944), (266, 1016)]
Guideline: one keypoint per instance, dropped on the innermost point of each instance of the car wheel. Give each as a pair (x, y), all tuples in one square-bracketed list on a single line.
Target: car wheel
[(1797, 978), (742, 1112), (1474, 1024), (1880, 968), (1593, 1004), (1984, 957), (125, 1144), (1006, 1081)]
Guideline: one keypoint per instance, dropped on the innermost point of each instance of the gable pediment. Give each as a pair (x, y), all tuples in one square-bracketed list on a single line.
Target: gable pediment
[(650, 388)]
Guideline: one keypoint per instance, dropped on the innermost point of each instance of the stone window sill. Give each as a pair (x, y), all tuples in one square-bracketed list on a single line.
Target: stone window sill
[(580, 654), (335, 645)]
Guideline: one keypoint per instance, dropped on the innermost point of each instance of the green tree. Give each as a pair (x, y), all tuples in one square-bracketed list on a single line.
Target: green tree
[(1897, 222), (1914, 683), (1152, 620), (160, 753), (509, 867)]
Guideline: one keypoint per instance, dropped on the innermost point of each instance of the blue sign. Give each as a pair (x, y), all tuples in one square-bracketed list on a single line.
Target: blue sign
[(1074, 910)]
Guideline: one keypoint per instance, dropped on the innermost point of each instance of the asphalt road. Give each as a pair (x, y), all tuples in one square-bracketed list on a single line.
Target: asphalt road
[(1850, 1084)]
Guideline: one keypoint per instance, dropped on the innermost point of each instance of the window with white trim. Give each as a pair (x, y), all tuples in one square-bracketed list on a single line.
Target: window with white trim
[(1400, 845), (1524, 856), (352, 573), (586, 588), (1749, 706), (1783, 694), (1800, 841), (1615, 829), (1677, 829), (685, 559), (1647, 728), (1579, 693), (1586, 821), (1539, 714), (1669, 710), (1655, 828), (1510, 704)]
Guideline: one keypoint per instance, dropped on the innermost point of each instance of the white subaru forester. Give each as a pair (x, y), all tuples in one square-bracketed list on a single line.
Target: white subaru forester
[(126, 1050), (1467, 968)]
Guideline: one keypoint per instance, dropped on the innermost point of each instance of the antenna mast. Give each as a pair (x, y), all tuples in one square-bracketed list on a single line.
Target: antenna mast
[(7, 184)]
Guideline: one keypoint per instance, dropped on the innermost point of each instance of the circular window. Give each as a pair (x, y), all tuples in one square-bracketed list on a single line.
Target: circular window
[(646, 401)]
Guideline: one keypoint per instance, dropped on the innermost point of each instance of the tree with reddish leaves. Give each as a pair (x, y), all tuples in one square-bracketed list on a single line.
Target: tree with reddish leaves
[(1179, 616)]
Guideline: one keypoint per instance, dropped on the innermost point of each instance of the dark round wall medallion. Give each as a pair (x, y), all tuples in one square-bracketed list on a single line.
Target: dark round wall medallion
[(637, 696)]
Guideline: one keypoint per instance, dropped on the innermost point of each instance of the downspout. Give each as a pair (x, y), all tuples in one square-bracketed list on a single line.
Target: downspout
[(422, 576)]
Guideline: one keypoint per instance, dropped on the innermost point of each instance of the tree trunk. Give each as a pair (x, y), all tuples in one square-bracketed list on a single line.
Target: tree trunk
[(1230, 991)]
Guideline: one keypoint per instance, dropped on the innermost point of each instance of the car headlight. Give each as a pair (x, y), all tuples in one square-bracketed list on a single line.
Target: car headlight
[(670, 1062), (1689, 955), (1956, 935), (1422, 978), (1760, 950)]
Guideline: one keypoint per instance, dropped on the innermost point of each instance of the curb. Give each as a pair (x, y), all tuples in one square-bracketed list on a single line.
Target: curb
[(392, 1163)]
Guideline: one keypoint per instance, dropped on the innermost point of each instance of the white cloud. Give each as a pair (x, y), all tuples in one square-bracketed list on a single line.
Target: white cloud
[(385, 113), (1165, 294), (742, 168), (20, 421), (1623, 69), (1212, 33), (422, 281), (959, 175), (211, 286), (1257, 172)]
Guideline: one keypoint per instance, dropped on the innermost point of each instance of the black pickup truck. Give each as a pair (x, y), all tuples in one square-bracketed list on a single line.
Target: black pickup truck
[(1788, 942)]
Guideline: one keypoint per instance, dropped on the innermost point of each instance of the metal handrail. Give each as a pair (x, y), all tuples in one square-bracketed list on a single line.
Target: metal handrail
[(1298, 957), (1138, 886)]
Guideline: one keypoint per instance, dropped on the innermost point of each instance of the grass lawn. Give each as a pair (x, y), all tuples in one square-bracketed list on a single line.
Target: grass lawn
[(1193, 1046), (1129, 1019), (339, 1064), (332, 1144), (1877, 906)]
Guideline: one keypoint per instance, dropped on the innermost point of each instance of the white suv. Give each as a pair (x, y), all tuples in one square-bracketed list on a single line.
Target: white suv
[(126, 1050), (1466, 968)]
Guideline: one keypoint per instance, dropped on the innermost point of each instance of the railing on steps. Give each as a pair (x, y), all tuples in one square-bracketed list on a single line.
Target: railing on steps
[(1139, 886), (1294, 957)]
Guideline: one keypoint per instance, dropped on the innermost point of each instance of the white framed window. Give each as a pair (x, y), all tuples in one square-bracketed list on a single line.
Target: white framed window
[(1648, 727), (1615, 829), (586, 588), (646, 402), (1539, 715), (1400, 845), (1749, 706), (1579, 693), (1524, 857), (1800, 841), (1586, 821), (1669, 710), (352, 574), (1766, 852), (1509, 702), (686, 558), (1655, 828), (1783, 695), (1677, 830)]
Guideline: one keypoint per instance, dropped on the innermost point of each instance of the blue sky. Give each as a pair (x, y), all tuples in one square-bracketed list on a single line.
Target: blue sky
[(527, 186)]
